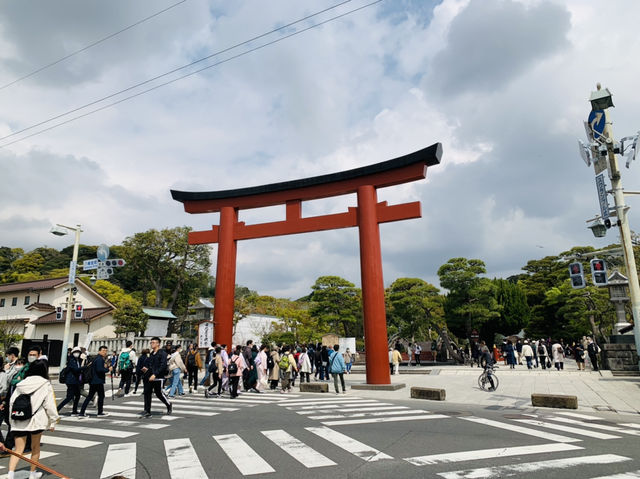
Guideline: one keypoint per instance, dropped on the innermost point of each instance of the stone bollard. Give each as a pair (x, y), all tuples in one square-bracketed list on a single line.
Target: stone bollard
[(554, 400), (314, 387), (433, 394)]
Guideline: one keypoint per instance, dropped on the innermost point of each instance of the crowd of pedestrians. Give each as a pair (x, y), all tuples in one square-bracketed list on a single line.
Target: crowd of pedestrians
[(542, 353)]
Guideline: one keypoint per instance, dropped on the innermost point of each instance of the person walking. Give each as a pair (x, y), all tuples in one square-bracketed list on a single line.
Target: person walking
[(274, 371), (72, 381), (287, 364), (262, 366), (324, 371), (593, 350), (304, 365), (234, 370), (125, 366), (542, 353), (510, 355), (216, 367), (154, 371), (194, 364), (390, 360), (99, 370), (207, 361), (144, 355), (176, 368), (534, 346), (34, 393), (557, 351), (348, 360), (409, 354), (417, 350), (396, 357), (527, 352), (337, 367), (14, 364), (317, 361), (579, 353)]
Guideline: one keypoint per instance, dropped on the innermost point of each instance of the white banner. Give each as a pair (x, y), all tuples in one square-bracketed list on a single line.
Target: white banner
[(205, 334)]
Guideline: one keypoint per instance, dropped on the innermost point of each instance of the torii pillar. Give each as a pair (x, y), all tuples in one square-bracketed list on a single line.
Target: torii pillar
[(367, 216)]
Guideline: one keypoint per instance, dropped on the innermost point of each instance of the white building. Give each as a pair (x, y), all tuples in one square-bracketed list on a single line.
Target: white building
[(253, 326), (30, 309)]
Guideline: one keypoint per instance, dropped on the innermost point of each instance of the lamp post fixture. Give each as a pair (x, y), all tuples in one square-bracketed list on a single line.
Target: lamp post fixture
[(61, 230), (602, 151)]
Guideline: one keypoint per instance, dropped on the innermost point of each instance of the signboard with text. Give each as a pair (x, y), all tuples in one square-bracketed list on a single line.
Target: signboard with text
[(205, 334)]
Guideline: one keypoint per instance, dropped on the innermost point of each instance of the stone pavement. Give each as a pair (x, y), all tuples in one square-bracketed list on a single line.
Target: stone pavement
[(596, 391)]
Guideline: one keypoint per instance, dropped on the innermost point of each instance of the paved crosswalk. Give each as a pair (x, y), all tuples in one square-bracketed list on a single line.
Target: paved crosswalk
[(325, 445)]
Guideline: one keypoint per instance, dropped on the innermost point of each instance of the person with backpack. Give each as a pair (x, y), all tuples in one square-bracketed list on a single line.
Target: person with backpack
[(234, 371), (287, 365), (542, 354), (337, 367), (176, 368), (70, 375), (154, 371), (194, 364), (211, 352), (32, 410), (94, 374), (215, 369), (125, 364)]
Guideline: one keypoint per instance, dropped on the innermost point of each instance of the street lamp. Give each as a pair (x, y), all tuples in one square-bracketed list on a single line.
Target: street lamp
[(598, 228), (600, 99), (61, 230)]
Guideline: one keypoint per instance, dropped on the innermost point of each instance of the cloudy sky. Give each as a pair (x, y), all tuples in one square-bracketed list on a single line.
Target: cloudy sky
[(502, 84)]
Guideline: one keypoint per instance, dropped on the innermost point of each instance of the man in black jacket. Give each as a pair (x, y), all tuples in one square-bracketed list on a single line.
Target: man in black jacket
[(154, 372), (96, 384)]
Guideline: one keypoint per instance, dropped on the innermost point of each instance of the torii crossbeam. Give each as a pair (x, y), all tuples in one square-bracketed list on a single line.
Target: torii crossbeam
[(366, 216)]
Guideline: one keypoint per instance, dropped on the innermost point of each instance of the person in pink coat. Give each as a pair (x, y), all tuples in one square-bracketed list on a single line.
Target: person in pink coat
[(234, 370)]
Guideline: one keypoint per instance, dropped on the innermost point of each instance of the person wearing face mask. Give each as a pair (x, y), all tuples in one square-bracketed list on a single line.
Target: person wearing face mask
[(16, 367), (72, 375)]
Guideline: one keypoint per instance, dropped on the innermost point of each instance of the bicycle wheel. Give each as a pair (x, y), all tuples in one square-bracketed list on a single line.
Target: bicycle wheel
[(483, 381)]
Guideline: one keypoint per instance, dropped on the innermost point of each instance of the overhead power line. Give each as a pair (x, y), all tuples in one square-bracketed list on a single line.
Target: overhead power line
[(97, 42), (225, 50)]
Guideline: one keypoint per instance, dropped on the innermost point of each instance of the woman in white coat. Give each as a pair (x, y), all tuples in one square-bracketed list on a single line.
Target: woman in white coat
[(304, 365), (44, 414)]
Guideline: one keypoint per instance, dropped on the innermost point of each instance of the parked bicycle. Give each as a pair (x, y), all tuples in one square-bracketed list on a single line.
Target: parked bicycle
[(488, 381)]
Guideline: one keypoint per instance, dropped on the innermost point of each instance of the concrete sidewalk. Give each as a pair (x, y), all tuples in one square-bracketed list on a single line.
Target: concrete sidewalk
[(596, 391)]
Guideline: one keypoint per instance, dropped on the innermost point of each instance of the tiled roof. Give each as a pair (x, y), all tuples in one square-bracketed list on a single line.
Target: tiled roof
[(89, 314), (41, 307), (158, 313), (33, 285)]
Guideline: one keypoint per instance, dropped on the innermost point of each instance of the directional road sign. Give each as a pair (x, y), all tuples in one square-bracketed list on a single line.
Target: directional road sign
[(103, 252), (72, 272), (597, 122), (89, 264)]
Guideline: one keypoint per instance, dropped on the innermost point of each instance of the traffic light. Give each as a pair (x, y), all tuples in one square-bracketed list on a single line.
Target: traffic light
[(78, 311), (59, 312), (599, 272), (577, 276)]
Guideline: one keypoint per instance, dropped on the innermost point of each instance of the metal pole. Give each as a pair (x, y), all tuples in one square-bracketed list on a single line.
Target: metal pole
[(70, 308), (625, 233)]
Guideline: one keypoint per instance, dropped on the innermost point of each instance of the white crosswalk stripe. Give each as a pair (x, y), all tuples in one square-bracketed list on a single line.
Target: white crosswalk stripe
[(365, 414), (298, 450), (622, 475), (366, 407), (522, 430), (114, 422), (529, 467), (182, 460), (94, 431), (591, 425), (483, 454), (120, 460), (185, 412), (53, 440), (334, 405), (573, 430), (180, 406), (417, 417), (349, 444), (242, 455)]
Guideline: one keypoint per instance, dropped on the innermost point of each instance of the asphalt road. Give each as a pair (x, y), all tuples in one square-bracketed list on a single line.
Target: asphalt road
[(330, 436)]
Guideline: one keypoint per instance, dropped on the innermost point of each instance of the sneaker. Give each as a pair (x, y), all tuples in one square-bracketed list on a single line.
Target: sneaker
[(146, 415), (169, 409), (82, 416), (103, 414), (35, 475), (74, 414), (206, 394)]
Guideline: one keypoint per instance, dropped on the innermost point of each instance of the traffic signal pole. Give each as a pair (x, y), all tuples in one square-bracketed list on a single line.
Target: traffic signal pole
[(625, 232)]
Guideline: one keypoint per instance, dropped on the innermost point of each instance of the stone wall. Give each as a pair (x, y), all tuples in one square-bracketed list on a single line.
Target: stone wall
[(620, 357)]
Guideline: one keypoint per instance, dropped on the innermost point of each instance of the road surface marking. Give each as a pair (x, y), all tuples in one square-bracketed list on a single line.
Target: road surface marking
[(602, 427), (349, 444), (175, 409), (334, 405), (383, 419), (574, 430), (134, 415), (622, 475), (349, 409), (366, 414), (182, 460), (327, 400), (302, 453), (67, 441), (120, 461), (483, 454), (522, 430), (513, 469), (115, 422), (94, 431), (242, 455)]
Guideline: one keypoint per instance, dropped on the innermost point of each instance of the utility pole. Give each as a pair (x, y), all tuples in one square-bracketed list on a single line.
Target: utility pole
[(602, 150)]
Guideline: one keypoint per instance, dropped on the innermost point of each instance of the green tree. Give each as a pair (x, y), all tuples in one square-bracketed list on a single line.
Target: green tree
[(514, 310), (129, 317), (471, 301), (413, 307), (336, 302)]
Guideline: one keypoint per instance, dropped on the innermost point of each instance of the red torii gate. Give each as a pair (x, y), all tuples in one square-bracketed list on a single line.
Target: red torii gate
[(366, 216)]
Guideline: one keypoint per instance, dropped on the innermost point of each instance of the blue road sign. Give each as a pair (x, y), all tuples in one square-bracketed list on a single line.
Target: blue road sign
[(597, 122), (89, 264)]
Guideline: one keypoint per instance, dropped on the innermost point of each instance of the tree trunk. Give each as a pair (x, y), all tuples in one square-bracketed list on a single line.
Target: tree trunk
[(447, 344)]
